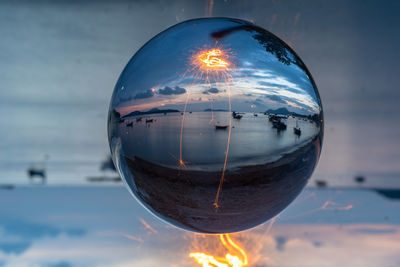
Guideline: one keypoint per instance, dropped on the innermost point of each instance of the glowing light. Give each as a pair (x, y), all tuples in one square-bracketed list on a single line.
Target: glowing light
[(231, 259), (213, 58)]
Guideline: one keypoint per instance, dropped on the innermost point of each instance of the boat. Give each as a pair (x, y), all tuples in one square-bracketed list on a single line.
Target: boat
[(40, 172), (236, 115), (221, 127), (280, 126), (129, 124), (139, 119), (296, 129), (149, 120)]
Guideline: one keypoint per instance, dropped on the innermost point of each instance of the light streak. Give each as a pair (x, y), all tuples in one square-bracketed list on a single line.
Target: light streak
[(221, 181), (236, 256), (147, 226), (134, 238), (181, 163), (211, 65)]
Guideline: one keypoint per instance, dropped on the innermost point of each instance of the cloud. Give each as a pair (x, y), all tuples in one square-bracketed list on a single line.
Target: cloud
[(14, 247), (75, 232), (14, 230), (146, 94), (211, 91), (280, 86), (30, 230), (280, 242), (172, 91), (276, 98), (60, 264)]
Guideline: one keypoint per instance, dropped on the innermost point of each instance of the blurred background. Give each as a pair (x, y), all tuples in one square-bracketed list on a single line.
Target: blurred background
[(59, 62)]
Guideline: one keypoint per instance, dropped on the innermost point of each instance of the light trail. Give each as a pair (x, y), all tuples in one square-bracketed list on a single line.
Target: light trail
[(212, 65), (181, 163), (236, 256), (221, 181)]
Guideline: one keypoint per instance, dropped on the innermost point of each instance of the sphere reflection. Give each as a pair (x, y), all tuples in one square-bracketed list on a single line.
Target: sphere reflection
[(215, 125)]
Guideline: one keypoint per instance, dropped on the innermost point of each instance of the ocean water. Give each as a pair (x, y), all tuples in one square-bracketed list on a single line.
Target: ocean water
[(253, 139)]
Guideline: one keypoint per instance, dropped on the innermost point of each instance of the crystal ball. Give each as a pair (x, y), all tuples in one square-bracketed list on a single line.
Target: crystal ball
[(215, 125)]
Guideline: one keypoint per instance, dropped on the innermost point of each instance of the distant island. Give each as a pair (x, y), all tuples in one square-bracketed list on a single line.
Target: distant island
[(151, 111), (284, 111), (215, 110)]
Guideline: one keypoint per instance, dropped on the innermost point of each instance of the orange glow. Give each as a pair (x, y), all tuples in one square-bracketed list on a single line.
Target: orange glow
[(213, 58), (212, 65), (236, 256)]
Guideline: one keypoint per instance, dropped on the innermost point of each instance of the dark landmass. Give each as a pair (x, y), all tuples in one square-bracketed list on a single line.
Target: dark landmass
[(284, 111), (151, 111), (215, 110)]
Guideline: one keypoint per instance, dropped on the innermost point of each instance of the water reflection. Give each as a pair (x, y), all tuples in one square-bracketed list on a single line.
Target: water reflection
[(216, 131)]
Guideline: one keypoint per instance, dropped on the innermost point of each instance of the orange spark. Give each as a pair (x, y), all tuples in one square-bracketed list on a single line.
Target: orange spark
[(221, 181), (231, 259), (134, 238), (211, 65), (213, 58), (148, 227)]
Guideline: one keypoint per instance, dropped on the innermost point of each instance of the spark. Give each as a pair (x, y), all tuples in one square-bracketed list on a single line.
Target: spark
[(181, 163), (211, 65), (213, 59), (221, 181), (328, 205), (209, 8), (134, 238), (231, 259), (148, 226)]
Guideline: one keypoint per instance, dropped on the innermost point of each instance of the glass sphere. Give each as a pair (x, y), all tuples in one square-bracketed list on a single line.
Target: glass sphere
[(215, 125)]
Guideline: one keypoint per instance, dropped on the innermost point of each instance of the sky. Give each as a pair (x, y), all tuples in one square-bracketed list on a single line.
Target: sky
[(60, 61), (320, 228)]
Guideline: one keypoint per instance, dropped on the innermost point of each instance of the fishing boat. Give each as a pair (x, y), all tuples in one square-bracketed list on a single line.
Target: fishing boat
[(296, 129), (149, 120), (236, 115), (280, 126)]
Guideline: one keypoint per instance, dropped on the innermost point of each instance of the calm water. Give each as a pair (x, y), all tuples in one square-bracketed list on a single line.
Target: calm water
[(253, 139)]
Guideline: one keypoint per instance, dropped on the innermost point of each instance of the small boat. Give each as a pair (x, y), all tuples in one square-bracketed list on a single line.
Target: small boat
[(129, 124), (139, 119), (236, 115), (321, 184), (255, 114), (149, 120), (280, 126), (296, 129), (40, 172), (221, 127)]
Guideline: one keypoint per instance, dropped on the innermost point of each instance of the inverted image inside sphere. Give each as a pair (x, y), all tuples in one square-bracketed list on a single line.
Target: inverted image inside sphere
[(215, 125)]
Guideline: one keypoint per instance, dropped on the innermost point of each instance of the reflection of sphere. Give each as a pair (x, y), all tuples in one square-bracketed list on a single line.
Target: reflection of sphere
[(215, 125)]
